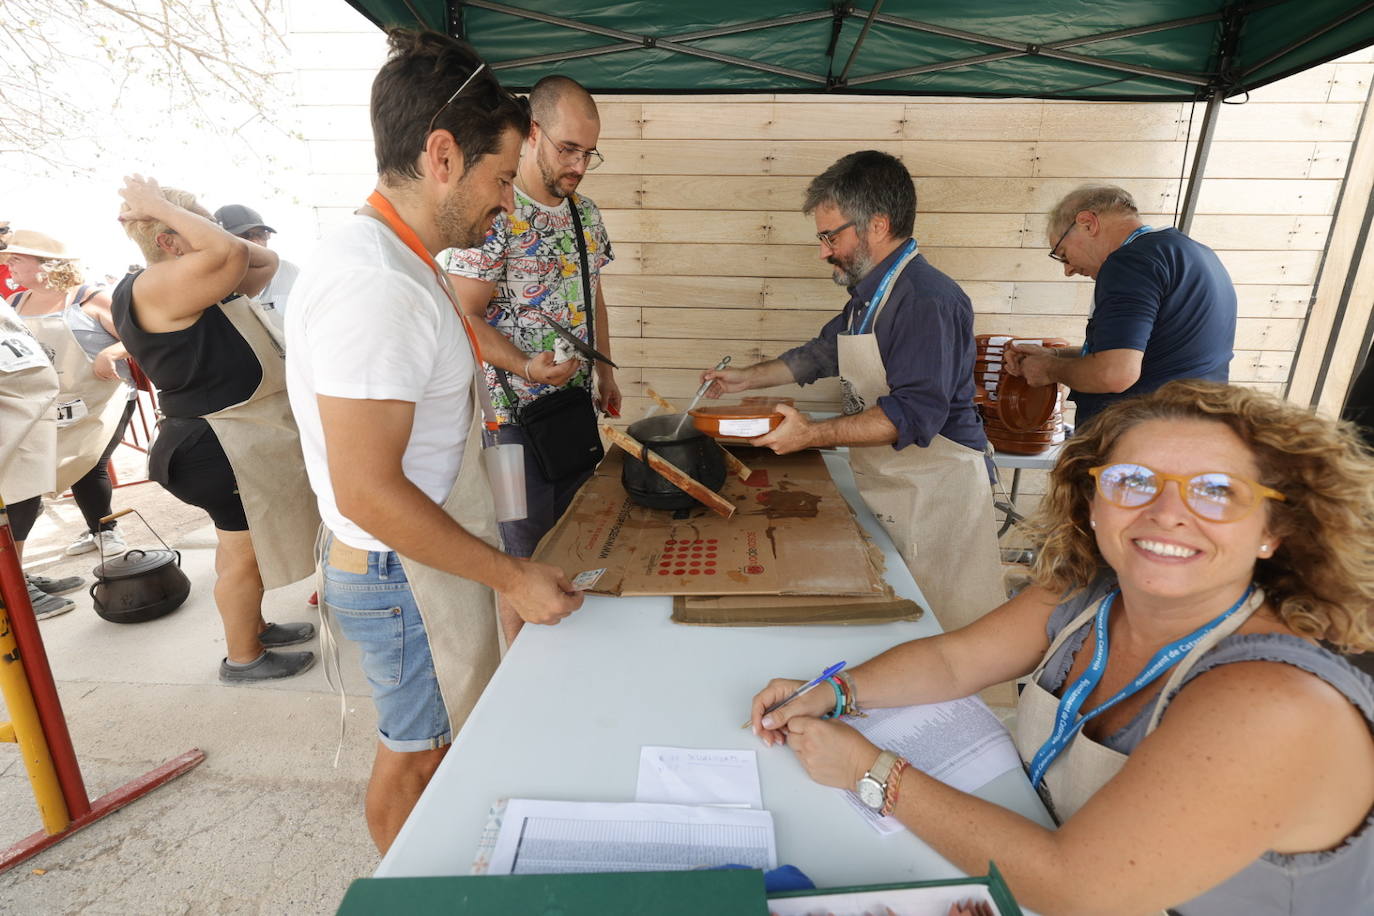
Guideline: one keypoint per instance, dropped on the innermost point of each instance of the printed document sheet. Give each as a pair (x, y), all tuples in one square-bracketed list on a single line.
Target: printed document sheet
[(959, 742), (557, 837), (699, 776)]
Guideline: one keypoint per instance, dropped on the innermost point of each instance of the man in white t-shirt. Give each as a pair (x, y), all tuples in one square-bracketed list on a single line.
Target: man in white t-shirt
[(380, 374)]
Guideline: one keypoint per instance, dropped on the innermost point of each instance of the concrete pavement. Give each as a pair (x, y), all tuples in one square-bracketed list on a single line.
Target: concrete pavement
[(266, 825)]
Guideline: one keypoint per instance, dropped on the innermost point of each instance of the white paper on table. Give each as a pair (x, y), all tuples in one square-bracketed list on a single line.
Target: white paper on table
[(561, 837), (698, 776), (959, 742), (907, 901)]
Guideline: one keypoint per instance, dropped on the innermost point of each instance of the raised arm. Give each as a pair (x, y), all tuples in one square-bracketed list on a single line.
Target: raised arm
[(171, 294)]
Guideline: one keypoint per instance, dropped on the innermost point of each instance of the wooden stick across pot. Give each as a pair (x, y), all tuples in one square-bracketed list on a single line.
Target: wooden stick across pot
[(671, 472), (737, 467)]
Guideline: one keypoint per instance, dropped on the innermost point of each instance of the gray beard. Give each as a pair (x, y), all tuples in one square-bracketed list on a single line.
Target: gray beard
[(858, 268)]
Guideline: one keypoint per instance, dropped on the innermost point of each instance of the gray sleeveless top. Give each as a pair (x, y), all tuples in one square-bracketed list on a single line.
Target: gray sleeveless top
[(1339, 880), (88, 331)]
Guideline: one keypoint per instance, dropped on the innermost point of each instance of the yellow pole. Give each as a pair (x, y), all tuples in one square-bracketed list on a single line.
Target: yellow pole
[(25, 729)]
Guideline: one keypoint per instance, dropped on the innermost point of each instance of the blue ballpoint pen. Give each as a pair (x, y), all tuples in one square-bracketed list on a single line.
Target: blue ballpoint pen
[(820, 679)]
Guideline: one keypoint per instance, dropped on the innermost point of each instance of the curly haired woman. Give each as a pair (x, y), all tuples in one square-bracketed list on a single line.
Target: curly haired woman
[(1199, 747)]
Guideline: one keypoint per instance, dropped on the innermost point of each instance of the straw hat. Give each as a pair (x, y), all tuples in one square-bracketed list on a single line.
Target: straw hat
[(26, 241)]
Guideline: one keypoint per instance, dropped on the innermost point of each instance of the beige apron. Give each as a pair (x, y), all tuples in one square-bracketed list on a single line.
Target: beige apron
[(264, 448), (1086, 766), (460, 614), (935, 502), (88, 408), (28, 424)]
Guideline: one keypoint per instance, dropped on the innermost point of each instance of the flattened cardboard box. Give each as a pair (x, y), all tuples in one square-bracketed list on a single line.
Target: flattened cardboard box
[(792, 534)]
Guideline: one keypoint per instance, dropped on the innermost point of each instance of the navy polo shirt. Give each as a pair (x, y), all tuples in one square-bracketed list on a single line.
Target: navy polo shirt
[(925, 338), (1169, 297)]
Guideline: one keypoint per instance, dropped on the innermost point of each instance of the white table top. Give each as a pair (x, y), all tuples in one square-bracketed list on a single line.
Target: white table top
[(566, 713), (1042, 462)]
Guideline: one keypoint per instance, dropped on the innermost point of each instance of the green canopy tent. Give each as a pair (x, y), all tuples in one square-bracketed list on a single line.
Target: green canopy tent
[(1105, 50), (1101, 50)]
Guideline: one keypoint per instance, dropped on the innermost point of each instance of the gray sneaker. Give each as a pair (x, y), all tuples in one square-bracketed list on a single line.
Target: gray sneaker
[(56, 586), (45, 605), (278, 635), (269, 666)]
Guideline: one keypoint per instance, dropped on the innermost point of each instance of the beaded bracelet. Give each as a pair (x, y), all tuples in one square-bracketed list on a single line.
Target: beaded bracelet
[(851, 707), (839, 700)]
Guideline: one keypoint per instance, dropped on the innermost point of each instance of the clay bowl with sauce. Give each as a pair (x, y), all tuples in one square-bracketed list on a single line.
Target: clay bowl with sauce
[(745, 420)]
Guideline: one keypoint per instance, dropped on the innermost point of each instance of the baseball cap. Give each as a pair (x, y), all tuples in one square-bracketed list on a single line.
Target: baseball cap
[(238, 219)]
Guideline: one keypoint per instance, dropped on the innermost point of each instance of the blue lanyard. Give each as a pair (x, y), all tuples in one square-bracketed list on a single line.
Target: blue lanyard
[(866, 321), (1065, 728), (1137, 234)]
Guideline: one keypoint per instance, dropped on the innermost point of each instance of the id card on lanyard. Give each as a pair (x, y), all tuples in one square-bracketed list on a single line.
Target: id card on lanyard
[(866, 316), (1066, 721)]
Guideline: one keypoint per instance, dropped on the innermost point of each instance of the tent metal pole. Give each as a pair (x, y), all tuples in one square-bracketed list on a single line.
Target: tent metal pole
[(854, 52), (1204, 147)]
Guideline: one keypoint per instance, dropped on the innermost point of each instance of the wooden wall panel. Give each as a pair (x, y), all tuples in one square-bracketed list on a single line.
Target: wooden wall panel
[(702, 195)]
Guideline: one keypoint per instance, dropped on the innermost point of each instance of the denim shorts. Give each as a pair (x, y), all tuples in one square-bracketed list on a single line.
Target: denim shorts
[(377, 610)]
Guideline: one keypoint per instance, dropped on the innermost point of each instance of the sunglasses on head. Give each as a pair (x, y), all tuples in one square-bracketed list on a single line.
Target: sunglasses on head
[(1215, 496)]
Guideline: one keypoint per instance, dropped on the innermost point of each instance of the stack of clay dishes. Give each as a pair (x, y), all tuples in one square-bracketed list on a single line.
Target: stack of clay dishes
[(1020, 419)]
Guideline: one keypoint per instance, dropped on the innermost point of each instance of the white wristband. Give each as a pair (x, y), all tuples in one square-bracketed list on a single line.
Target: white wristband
[(526, 373)]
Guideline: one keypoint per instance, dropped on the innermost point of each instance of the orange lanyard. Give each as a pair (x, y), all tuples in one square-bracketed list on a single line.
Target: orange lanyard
[(407, 235)]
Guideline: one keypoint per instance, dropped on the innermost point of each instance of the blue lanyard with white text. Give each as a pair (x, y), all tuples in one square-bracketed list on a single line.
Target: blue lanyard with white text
[(1064, 726), (866, 322)]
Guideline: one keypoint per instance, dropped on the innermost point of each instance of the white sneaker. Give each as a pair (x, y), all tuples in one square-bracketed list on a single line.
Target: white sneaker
[(112, 542), (83, 544)]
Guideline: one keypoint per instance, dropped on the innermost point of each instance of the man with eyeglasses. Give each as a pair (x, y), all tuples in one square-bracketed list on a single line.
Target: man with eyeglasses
[(529, 274), (903, 348), (247, 224), (1164, 307)]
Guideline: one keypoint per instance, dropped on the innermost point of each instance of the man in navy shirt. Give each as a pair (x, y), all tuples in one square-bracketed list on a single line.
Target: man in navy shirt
[(1164, 307), (903, 348)]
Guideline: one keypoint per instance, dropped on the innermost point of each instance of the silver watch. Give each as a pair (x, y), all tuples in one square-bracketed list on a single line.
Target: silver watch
[(872, 786)]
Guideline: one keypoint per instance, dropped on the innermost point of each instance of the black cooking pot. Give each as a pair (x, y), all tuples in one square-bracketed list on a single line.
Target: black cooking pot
[(693, 451), (141, 585)]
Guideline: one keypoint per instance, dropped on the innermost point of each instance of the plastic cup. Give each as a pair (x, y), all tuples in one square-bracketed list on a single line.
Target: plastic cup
[(506, 471)]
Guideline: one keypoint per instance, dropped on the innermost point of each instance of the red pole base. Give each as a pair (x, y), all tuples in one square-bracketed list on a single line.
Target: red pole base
[(107, 804)]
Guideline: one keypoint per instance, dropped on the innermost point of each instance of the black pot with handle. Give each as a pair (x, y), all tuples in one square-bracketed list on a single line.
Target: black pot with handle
[(680, 443), (140, 585)]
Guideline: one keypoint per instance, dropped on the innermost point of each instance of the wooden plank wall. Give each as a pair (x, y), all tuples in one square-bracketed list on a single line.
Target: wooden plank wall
[(701, 196)]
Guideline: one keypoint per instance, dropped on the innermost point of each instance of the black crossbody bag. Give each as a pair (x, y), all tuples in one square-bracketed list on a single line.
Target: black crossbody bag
[(560, 428)]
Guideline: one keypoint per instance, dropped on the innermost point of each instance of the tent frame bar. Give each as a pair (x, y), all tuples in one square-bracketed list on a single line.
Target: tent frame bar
[(859, 42), (639, 45), (628, 41), (1052, 50), (1311, 36), (638, 42)]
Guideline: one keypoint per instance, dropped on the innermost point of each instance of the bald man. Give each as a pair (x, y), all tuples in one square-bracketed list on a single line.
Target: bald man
[(532, 271)]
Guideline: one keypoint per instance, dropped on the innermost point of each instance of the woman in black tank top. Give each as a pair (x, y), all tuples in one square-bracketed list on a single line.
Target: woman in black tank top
[(170, 319)]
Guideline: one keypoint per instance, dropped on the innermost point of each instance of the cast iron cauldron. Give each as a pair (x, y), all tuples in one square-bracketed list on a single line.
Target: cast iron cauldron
[(691, 450), (139, 586)]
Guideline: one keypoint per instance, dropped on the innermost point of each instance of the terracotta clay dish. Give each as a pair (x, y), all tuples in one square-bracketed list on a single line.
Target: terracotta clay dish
[(1022, 408), (753, 417)]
